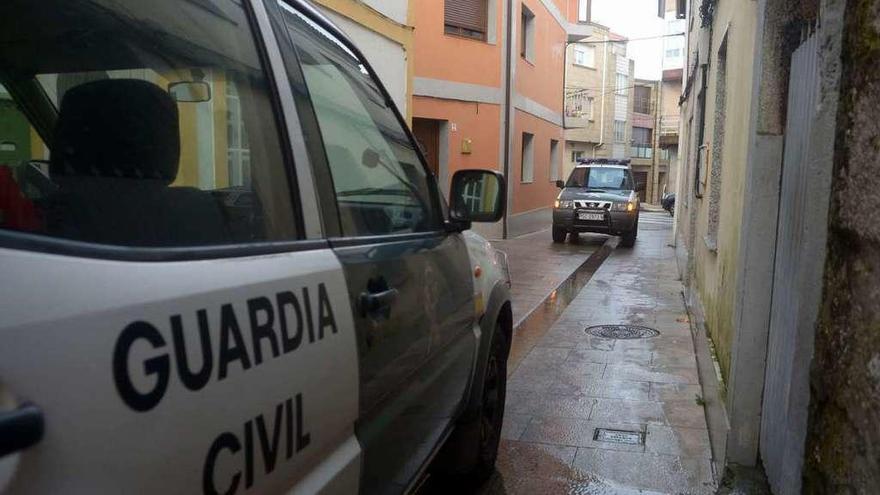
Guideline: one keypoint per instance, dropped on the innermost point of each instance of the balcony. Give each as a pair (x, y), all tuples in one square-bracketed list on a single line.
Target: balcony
[(641, 150), (669, 125)]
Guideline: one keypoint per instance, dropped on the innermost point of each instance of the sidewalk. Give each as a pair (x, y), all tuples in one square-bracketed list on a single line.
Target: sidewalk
[(595, 415), (538, 266)]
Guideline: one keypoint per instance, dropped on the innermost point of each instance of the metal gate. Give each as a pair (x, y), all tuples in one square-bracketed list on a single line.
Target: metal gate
[(797, 277)]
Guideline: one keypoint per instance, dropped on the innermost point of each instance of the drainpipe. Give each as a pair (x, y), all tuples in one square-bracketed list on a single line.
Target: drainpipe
[(507, 126), (655, 144), (602, 103)]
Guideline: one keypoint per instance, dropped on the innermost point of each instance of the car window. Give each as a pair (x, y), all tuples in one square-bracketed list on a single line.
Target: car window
[(380, 185), (144, 124), (599, 178)]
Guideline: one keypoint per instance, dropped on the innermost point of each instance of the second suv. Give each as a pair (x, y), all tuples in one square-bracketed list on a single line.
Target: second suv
[(600, 196)]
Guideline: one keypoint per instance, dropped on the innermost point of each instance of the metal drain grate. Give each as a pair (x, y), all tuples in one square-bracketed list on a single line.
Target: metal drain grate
[(622, 331), (619, 436)]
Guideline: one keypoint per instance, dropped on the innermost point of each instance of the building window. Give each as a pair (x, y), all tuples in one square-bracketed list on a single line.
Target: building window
[(619, 131), (641, 136), (576, 155), (585, 55), (527, 171), (622, 82), (473, 195), (579, 105), (527, 31), (466, 18), (554, 160), (641, 142), (584, 10), (238, 153), (716, 162), (700, 171), (642, 99)]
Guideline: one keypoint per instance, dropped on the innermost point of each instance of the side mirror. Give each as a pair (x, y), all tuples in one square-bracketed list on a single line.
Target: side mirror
[(190, 91), (640, 186), (477, 196), (560, 184)]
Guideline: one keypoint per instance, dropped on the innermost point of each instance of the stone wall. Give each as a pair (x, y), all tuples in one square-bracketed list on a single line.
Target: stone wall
[(843, 442)]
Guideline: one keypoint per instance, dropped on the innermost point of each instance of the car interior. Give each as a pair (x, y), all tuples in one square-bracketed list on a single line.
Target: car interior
[(106, 154)]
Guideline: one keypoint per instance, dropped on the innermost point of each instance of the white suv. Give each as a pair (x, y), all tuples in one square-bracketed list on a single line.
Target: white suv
[(225, 266)]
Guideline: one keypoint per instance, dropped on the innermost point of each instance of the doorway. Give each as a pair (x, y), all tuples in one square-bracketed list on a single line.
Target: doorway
[(427, 134)]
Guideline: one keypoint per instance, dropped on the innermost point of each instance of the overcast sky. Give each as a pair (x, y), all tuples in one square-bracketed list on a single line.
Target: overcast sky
[(635, 19)]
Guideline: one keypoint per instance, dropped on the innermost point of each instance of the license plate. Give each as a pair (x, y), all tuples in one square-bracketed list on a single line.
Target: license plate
[(591, 216)]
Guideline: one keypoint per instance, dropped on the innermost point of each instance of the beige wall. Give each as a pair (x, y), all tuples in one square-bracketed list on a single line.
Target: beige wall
[(671, 93), (714, 270), (582, 134)]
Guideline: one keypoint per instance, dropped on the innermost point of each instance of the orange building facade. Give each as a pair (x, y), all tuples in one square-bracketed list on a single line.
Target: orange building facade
[(488, 93)]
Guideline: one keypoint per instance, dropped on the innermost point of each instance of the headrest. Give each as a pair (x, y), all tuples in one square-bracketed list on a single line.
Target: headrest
[(117, 128)]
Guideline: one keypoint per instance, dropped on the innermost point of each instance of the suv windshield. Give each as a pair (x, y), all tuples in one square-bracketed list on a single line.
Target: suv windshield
[(599, 178)]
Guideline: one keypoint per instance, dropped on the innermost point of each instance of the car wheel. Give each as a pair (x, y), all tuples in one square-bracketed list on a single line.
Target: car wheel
[(559, 234), (492, 405), (468, 458), (628, 239)]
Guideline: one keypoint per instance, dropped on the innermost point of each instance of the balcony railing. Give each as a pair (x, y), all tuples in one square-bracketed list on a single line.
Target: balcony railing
[(669, 125), (641, 151)]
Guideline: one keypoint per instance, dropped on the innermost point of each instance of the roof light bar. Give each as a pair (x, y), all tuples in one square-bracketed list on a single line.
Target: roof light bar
[(607, 161)]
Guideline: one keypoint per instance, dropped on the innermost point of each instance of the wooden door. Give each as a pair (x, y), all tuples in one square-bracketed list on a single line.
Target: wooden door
[(427, 133)]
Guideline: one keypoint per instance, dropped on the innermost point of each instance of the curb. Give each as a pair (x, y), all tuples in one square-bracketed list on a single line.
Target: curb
[(596, 258), (537, 322)]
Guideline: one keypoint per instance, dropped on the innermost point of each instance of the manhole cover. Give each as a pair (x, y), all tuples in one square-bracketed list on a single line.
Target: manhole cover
[(622, 331), (619, 436)]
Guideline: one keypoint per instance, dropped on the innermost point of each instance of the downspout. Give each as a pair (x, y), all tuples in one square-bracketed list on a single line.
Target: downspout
[(602, 106), (655, 144), (507, 126)]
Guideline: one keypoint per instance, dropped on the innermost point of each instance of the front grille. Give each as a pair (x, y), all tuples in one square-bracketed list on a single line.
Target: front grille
[(593, 205)]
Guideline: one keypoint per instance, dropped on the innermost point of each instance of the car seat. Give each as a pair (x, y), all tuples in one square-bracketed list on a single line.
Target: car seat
[(116, 149)]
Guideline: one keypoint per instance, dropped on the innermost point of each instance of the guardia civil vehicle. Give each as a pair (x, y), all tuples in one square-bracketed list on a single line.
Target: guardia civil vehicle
[(599, 196), (225, 266)]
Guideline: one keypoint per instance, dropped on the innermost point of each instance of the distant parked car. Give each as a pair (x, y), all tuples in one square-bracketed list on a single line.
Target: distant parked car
[(668, 203), (601, 196)]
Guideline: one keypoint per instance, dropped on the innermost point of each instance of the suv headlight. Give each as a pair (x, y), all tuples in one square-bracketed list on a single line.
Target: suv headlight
[(563, 204), (624, 206)]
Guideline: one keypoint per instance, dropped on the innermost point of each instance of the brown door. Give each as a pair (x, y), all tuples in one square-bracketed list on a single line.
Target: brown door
[(641, 178), (427, 133)]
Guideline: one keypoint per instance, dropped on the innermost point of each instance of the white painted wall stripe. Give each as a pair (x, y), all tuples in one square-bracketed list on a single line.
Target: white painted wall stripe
[(452, 90), (534, 108)]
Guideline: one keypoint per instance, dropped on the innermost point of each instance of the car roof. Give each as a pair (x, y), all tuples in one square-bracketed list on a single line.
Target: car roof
[(601, 165), (621, 163)]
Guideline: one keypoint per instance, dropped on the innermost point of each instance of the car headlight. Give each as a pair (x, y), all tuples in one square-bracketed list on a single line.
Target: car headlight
[(563, 204), (625, 206)]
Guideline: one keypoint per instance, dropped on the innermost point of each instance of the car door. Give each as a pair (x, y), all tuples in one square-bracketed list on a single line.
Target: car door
[(410, 282), (158, 333)]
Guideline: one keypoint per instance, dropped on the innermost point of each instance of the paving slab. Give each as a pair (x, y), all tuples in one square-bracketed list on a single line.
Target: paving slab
[(538, 265), (630, 408)]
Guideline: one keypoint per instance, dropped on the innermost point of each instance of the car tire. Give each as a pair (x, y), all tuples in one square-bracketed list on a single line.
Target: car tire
[(628, 239), (559, 234), (493, 399), (486, 425)]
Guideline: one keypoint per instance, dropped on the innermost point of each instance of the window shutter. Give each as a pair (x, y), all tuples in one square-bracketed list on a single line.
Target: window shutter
[(468, 14)]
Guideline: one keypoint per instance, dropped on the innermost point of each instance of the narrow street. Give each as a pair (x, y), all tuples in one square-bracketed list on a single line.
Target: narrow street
[(588, 414)]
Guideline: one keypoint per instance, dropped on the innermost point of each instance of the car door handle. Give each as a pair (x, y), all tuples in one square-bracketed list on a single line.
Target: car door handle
[(20, 429), (373, 303)]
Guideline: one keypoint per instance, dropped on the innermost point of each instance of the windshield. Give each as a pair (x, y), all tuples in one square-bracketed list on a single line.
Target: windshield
[(599, 178)]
